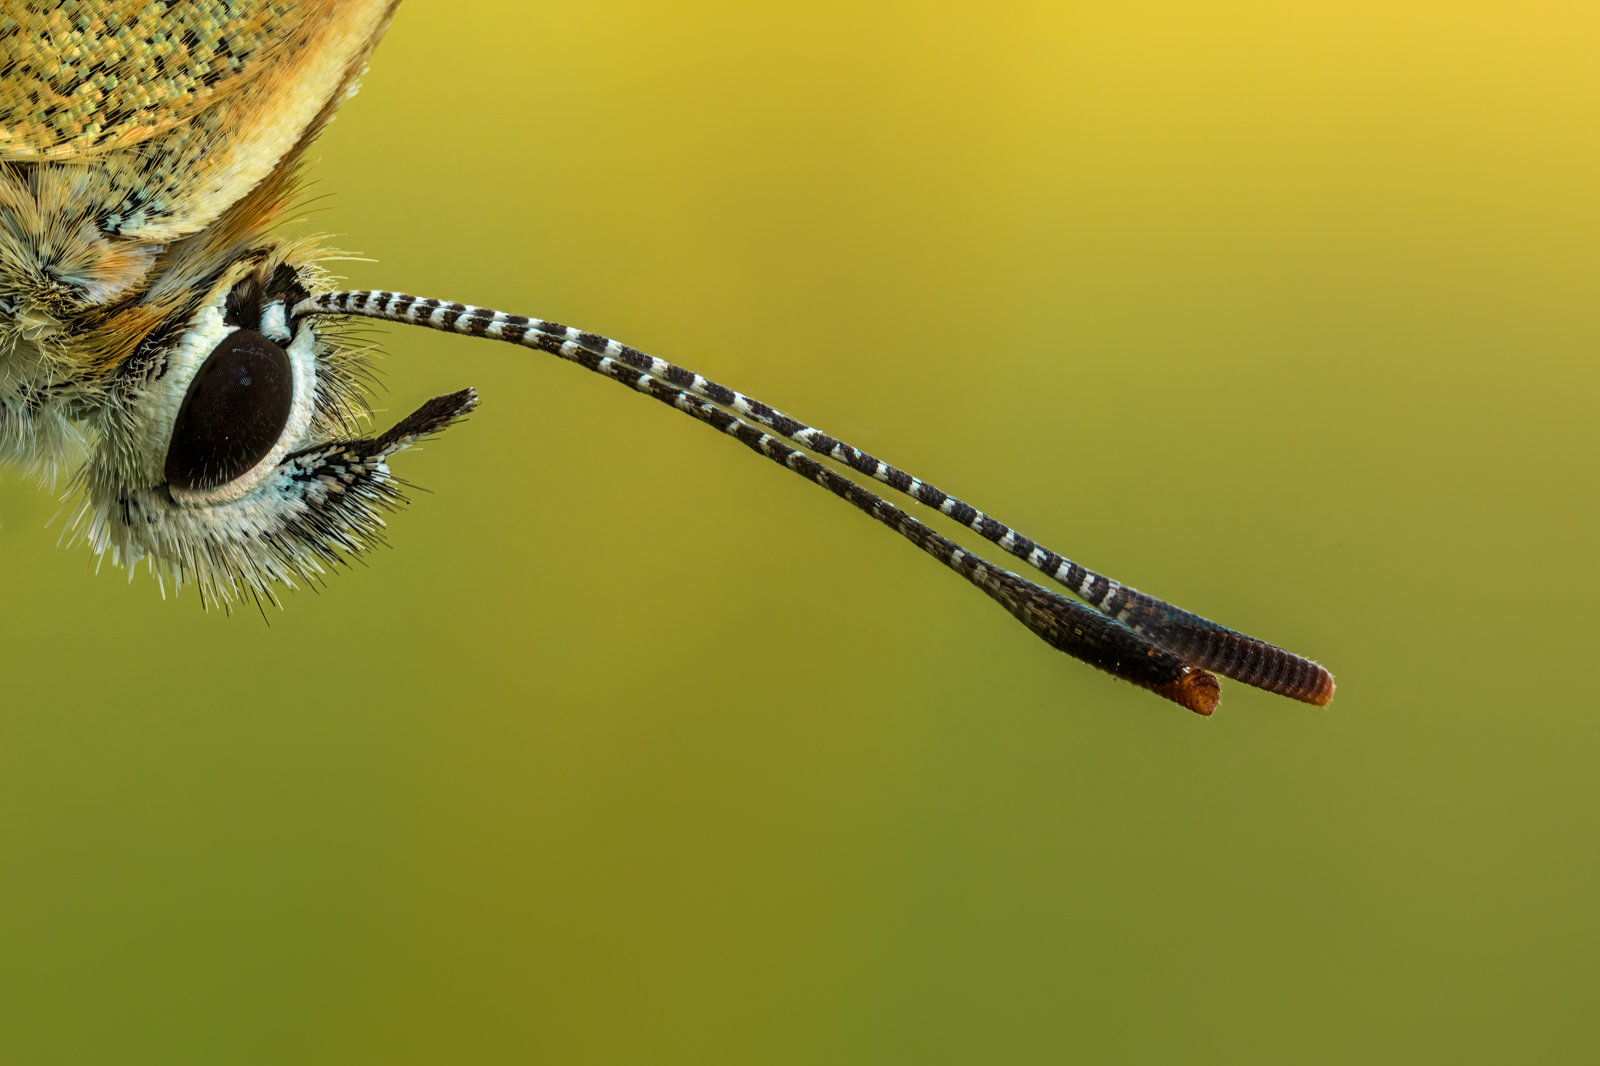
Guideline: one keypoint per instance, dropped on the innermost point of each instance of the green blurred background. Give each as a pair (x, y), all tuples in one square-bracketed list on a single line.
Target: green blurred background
[(636, 749)]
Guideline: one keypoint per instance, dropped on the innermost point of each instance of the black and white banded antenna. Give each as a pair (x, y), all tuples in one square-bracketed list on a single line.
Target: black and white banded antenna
[(1129, 634)]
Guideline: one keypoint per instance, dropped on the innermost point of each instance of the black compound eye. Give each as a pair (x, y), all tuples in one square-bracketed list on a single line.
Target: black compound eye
[(233, 413)]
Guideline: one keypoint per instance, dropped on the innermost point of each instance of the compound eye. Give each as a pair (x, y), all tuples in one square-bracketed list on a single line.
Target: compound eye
[(234, 412)]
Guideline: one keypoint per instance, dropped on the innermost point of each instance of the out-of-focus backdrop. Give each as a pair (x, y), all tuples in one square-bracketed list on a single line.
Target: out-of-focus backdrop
[(636, 748)]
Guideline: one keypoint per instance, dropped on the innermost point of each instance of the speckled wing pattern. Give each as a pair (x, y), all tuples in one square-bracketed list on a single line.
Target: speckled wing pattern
[(187, 105), (81, 75)]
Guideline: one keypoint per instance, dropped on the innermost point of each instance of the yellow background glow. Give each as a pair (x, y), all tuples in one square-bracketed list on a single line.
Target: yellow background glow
[(637, 749)]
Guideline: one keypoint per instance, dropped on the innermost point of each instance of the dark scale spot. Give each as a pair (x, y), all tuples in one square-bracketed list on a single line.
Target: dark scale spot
[(677, 374), (448, 319), (554, 329), (514, 333), (233, 413), (243, 304), (931, 496), (285, 282), (964, 513), (593, 341), (402, 305), (719, 393), (899, 480), (1021, 546), (786, 425), (863, 462), (989, 529), (1097, 589), (516, 320), (824, 443)]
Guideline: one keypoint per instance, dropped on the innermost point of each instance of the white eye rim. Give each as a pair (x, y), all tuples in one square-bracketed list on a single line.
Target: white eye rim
[(275, 322), (161, 400), (302, 352)]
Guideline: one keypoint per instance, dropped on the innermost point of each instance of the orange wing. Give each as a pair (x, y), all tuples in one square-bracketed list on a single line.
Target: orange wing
[(194, 104)]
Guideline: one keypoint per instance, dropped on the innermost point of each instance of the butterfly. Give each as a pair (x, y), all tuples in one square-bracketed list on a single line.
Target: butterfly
[(159, 334)]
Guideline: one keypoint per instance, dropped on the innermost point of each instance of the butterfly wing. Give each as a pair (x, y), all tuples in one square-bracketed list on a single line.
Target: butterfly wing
[(190, 104)]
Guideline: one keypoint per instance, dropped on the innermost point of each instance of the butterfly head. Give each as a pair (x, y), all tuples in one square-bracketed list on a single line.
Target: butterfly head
[(146, 333), (228, 445)]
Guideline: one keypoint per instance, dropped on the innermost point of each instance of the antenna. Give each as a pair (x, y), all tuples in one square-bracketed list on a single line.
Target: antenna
[(1134, 636)]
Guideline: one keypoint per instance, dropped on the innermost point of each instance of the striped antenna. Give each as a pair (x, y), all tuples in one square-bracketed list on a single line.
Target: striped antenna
[(1129, 622)]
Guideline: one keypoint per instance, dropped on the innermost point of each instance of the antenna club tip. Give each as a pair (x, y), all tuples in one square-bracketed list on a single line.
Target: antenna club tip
[(1322, 695), (1194, 689)]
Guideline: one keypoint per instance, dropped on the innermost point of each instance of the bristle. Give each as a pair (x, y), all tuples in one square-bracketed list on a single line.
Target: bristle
[(325, 508)]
